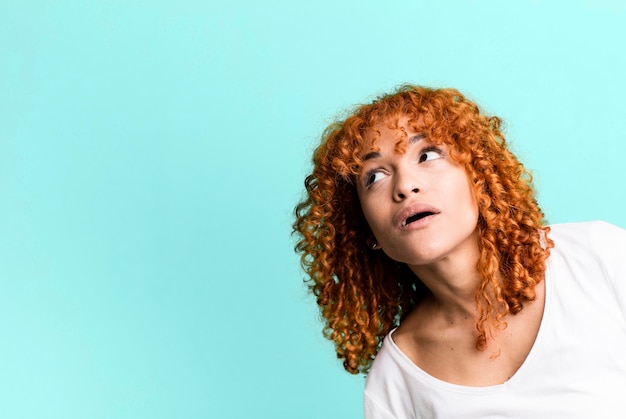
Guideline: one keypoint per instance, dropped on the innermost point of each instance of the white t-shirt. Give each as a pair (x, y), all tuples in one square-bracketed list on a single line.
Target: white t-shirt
[(576, 367)]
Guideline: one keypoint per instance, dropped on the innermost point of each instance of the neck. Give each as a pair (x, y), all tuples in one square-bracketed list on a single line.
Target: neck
[(453, 283)]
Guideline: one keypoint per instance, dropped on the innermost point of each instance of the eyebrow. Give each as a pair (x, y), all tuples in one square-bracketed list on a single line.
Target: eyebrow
[(412, 140)]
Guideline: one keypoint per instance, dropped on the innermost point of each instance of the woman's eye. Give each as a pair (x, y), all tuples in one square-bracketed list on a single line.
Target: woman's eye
[(429, 155), (373, 177)]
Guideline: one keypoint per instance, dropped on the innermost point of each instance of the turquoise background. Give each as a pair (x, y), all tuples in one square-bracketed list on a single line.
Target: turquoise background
[(151, 153)]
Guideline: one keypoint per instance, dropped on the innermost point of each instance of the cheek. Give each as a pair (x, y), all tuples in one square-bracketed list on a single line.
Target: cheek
[(471, 198), (370, 218), (472, 204), (371, 213), (467, 195)]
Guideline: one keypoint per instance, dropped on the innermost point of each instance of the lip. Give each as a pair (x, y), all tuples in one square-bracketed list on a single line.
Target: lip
[(413, 209)]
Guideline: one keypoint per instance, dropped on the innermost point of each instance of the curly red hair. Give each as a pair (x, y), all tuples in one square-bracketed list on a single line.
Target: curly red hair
[(362, 294)]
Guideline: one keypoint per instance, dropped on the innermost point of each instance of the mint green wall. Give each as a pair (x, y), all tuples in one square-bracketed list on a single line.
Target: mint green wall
[(151, 153)]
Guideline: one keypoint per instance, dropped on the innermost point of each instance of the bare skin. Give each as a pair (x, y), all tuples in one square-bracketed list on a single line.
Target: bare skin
[(441, 247), (441, 340)]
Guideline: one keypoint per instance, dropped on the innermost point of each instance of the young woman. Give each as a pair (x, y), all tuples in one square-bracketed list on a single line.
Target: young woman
[(437, 277)]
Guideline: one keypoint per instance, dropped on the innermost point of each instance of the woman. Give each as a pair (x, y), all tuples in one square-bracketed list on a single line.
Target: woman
[(437, 277)]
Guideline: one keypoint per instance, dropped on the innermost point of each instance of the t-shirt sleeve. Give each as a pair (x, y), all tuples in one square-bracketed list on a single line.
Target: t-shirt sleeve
[(374, 411), (610, 240)]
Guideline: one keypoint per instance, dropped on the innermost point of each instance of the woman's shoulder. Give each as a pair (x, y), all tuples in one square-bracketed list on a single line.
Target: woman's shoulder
[(389, 362), (583, 225), (394, 386), (587, 232), (594, 248)]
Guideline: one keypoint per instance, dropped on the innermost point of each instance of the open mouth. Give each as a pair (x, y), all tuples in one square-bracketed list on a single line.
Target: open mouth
[(416, 217)]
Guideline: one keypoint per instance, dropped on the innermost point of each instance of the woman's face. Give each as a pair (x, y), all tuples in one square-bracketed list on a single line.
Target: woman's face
[(419, 204)]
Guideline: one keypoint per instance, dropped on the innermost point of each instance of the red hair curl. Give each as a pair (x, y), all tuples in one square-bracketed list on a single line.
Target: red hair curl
[(362, 294)]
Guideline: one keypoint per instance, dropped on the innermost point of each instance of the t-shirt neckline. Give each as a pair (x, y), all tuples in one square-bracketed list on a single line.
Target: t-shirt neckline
[(517, 376)]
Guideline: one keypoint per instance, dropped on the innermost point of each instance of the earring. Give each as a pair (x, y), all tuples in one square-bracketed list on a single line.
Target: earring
[(372, 243)]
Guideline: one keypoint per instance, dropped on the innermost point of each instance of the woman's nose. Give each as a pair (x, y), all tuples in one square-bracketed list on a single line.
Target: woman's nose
[(404, 187)]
